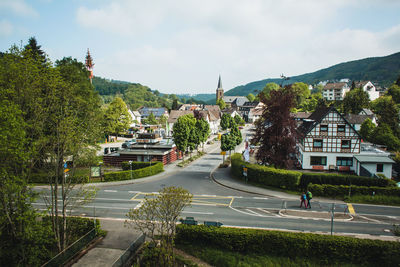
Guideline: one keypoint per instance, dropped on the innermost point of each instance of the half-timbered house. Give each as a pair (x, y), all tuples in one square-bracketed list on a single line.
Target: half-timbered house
[(327, 141)]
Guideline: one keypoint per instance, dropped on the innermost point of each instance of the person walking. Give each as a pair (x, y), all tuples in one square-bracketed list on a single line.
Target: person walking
[(303, 199), (309, 197)]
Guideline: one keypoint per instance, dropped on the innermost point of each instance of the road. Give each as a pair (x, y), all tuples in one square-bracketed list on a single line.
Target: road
[(213, 202)]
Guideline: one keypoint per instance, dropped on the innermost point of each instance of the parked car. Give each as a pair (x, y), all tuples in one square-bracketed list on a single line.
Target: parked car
[(127, 144)]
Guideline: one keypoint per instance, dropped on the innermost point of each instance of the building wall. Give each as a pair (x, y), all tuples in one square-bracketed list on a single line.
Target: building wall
[(371, 167), (331, 160)]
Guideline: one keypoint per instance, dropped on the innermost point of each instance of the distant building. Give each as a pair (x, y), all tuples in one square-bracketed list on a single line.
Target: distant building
[(220, 90), (368, 87), (157, 112), (335, 91)]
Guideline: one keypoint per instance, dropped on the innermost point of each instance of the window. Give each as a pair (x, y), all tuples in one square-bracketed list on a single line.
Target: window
[(341, 128), (379, 167), (344, 161), (317, 143), (318, 161), (323, 128), (346, 143)]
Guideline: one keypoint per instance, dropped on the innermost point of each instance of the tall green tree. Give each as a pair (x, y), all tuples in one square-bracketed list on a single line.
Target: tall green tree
[(367, 128), (226, 121), (355, 100), (269, 87), (394, 92), (387, 111), (203, 130), (251, 97), (302, 92), (181, 131), (221, 103), (116, 117), (228, 142)]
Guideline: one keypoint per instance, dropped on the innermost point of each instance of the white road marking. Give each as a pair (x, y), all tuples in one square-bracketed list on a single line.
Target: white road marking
[(260, 209), (133, 192), (198, 212), (138, 205), (253, 212), (264, 198), (111, 191), (208, 195), (386, 230)]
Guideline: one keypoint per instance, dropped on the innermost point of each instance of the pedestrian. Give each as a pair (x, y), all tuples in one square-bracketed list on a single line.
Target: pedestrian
[(309, 197), (303, 200)]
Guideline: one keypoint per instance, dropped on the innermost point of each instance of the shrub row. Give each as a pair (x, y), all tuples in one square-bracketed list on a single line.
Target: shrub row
[(340, 179), (135, 165), (266, 175), (328, 190), (325, 248), (298, 180), (138, 173), (42, 177)]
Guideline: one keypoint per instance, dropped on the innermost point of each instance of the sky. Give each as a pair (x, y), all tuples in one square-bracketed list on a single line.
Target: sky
[(182, 46)]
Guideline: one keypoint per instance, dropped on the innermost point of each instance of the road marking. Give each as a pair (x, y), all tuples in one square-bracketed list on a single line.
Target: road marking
[(253, 212), (264, 198), (260, 209), (111, 191), (230, 203), (351, 209), (208, 195), (138, 205), (198, 212), (137, 194), (133, 192)]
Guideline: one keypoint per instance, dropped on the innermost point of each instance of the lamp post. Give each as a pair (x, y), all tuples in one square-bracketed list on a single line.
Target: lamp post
[(130, 164), (101, 176)]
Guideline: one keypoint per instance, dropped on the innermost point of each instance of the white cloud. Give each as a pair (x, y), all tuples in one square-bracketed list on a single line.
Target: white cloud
[(6, 28), (18, 7), (175, 46)]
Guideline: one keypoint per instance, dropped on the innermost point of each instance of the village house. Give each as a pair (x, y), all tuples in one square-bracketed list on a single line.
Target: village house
[(327, 141), (335, 91), (368, 87)]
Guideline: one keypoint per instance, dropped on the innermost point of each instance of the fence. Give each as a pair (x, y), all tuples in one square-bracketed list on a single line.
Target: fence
[(123, 260), (64, 256)]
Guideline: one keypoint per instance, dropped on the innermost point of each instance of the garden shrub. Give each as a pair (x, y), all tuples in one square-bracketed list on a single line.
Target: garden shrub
[(135, 165), (342, 179), (327, 190), (326, 248), (138, 173)]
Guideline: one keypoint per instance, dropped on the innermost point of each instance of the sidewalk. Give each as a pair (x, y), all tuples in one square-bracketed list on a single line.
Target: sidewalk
[(111, 247)]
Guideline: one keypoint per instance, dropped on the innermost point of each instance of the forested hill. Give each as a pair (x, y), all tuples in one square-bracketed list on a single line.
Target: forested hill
[(383, 70), (109, 87)]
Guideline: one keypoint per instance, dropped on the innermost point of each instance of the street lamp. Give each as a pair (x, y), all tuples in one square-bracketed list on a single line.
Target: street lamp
[(130, 164), (101, 176)]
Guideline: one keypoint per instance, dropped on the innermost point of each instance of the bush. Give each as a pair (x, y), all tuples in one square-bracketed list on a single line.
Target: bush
[(135, 165), (328, 190), (42, 177), (327, 248), (265, 175), (340, 179), (138, 173)]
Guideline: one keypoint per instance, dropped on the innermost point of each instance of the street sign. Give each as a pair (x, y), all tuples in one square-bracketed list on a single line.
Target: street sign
[(245, 172), (65, 165), (223, 152), (66, 170), (95, 171)]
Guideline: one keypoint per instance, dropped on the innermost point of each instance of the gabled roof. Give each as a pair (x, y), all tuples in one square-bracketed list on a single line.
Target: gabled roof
[(250, 104), (366, 111), (340, 85), (239, 101), (157, 112), (316, 117), (175, 114), (361, 84), (356, 118)]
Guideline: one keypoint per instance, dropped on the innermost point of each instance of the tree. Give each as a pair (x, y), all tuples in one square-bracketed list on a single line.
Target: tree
[(162, 120), (383, 135), (251, 97), (157, 218), (276, 130), (151, 119), (238, 120), (355, 100), (367, 128), (221, 103), (302, 92), (116, 117), (394, 92), (33, 48), (203, 130), (181, 131), (236, 134), (269, 87), (226, 121), (228, 142), (310, 104), (175, 104), (387, 111)]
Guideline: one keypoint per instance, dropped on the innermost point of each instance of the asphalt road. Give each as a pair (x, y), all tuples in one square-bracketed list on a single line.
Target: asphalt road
[(213, 202)]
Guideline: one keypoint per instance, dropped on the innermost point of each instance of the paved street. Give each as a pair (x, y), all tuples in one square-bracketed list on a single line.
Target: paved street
[(214, 202)]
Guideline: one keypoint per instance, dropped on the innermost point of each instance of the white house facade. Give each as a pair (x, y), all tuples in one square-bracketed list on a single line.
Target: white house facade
[(328, 142), (335, 91), (368, 87)]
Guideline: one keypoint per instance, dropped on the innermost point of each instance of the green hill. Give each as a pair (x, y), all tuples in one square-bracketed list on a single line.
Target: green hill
[(381, 70)]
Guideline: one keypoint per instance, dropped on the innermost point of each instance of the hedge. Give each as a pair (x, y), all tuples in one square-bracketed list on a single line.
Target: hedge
[(135, 165), (326, 248), (42, 177), (327, 190), (138, 173), (340, 179), (265, 175)]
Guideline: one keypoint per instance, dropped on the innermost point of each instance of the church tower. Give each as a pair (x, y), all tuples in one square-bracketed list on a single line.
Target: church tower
[(220, 91), (89, 65)]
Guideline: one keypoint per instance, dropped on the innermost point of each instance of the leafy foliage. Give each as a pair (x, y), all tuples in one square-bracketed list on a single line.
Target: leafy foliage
[(355, 100), (116, 117), (367, 128), (276, 130), (150, 169), (387, 111), (221, 103), (226, 121)]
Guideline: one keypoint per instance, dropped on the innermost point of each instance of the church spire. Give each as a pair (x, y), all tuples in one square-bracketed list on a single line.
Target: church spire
[(89, 64), (220, 91)]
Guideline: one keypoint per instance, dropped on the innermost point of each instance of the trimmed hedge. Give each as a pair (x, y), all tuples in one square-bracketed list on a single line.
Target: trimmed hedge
[(265, 175), (135, 165), (42, 177), (326, 248), (138, 173), (340, 179), (327, 190)]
